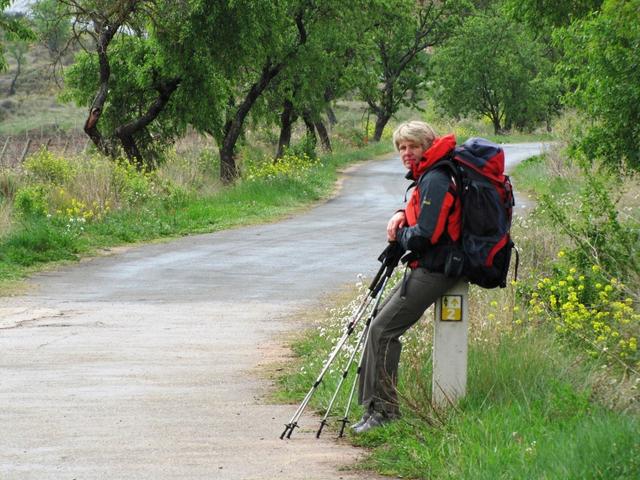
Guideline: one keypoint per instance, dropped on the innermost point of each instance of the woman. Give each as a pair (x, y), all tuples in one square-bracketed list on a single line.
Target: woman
[(428, 227)]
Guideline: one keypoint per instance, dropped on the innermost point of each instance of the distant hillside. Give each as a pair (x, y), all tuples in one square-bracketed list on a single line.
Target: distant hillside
[(35, 105)]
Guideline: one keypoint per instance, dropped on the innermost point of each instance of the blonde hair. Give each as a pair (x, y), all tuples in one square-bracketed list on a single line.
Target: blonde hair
[(416, 131)]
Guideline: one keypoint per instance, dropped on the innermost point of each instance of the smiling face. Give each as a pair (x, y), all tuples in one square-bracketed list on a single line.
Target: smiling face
[(410, 152)]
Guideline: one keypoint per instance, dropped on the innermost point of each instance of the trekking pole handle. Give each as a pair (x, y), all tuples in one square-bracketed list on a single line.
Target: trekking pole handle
[(376, 279)]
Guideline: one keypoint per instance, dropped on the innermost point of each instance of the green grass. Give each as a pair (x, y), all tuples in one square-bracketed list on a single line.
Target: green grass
[(519, 137), (35, 112), (36, 242), (533, 175), (529, 413)]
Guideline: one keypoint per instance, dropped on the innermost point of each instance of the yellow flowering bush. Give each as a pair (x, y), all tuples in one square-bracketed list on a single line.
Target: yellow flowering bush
[(45, 166), (462, 131), (387, 133), (133, 187), (289, 166), (31, 200), (588, 309)]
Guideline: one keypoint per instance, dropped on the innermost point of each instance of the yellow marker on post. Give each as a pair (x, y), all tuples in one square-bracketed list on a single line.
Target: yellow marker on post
[(451, 310)]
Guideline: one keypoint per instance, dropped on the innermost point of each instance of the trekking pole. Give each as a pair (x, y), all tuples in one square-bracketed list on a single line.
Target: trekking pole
[(387, 258), (359, 344), (293, 423), (361, 347)]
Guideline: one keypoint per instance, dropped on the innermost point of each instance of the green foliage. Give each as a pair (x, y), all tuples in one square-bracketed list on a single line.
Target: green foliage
[(290, 166), (14, 27), (493, 67), (589, 311), (600, 70), (548, 14), (589, 291), (132, 187), (52, 25), (527, 413), (395, 68), (324, 69), (47, 167), (31, 201), (601, 236), (305, 147), (135, 66)]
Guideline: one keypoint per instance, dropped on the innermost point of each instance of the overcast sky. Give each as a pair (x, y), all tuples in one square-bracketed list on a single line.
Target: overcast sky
[(18, 5)]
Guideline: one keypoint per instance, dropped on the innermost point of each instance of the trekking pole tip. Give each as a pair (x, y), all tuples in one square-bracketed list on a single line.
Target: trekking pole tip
[(286, 428), (322, 424), (292, 426), (344, 422)]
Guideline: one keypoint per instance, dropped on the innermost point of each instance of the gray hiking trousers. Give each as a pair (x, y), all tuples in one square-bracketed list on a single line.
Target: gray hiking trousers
[(378, 377)]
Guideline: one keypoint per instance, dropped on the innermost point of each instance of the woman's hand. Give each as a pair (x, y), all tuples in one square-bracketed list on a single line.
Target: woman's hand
[(398, 220)]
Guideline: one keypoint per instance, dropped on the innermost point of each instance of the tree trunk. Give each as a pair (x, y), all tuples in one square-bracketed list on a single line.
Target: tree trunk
[(126, 133), (12, 87), (324, 136), (233, 127), (132, 151), (105, 35), (228, 169), (381, 122), (328, 98), (497, 128), (287, 117), (331, 116), (311, 129), (308, 122)]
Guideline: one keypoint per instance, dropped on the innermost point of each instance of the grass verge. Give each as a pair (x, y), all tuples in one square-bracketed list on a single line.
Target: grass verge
[(539, 404), (37, 241), (529, 410)]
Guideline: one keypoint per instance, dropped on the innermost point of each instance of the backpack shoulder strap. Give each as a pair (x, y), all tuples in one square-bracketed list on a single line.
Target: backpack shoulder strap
[(453, 168)]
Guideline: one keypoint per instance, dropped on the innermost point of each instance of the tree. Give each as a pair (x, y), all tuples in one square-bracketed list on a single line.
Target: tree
[(17, 51), (323, 71), (14, 28), (52, 25), (492, 67), (227, 54), (129, 101), (399, 34), (600, 68), (545, 15), (278, 34)]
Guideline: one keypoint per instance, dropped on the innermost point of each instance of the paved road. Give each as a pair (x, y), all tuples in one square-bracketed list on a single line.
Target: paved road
[(142, 364)]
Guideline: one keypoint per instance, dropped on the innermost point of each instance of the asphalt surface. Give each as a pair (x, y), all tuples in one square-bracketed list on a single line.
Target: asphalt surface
[(143, 364)]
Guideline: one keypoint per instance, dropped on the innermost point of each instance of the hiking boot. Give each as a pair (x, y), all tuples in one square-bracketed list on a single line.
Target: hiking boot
[(362, 421), (377, 419)]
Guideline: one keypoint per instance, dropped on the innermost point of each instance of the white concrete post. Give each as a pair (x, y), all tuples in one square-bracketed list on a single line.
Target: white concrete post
[(451, 324)]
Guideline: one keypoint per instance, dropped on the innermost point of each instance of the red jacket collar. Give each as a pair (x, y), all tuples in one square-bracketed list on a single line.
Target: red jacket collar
[(439, 148)]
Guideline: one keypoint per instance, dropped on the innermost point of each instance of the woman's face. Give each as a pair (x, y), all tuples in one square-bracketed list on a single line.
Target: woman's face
[(410, 152)]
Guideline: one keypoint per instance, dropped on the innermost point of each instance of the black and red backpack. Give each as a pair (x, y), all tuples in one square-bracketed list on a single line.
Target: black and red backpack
[(484, 252)]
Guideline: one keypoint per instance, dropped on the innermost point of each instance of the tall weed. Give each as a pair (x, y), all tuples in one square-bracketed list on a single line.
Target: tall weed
[(6, 221)]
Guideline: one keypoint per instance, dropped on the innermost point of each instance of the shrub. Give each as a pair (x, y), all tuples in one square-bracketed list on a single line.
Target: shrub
[(289, 165), (306, 147), (47, 167), (589, 290), (9, 184), (132, 187), (599, 234), (589, 311), (31, 201)]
